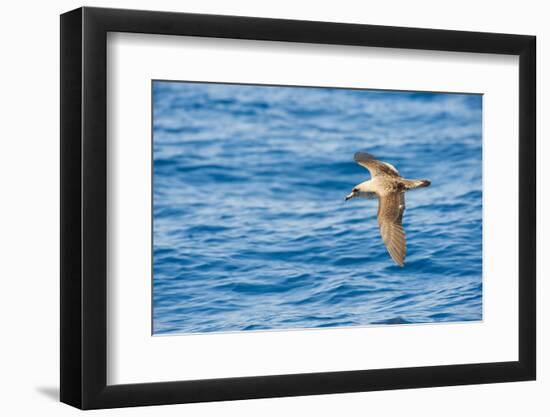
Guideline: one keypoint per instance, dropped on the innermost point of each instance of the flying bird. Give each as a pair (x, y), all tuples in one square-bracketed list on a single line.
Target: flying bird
[(389, 186)]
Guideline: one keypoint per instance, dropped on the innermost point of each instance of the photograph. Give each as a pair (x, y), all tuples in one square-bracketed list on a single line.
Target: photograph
[(268, 209), (303, 207)]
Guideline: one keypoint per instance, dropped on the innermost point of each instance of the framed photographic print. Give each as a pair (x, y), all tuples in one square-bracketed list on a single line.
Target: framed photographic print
[(258, 207)]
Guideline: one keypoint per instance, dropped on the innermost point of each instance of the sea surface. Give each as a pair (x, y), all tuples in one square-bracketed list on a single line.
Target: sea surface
[(250, 227)]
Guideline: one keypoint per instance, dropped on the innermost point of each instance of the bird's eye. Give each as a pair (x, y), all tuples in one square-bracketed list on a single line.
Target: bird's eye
[(355, 190)]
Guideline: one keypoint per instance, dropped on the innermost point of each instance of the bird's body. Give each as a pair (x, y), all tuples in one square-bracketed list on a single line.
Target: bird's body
[(387, 184)]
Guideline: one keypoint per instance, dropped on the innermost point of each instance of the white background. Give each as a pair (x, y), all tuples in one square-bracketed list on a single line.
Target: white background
[(30, 206), (133, 60)]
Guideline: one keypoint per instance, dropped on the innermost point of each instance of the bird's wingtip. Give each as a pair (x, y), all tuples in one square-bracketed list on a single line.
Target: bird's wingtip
[(362, 156), (399, 263)]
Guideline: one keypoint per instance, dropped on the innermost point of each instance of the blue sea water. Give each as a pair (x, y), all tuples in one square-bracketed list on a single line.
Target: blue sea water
[(250, 227)]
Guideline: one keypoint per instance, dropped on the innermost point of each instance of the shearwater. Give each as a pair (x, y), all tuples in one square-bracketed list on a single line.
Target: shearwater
[(387, 184)]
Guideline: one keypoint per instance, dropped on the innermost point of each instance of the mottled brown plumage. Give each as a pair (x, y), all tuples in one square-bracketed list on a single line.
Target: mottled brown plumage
[(387, 184)]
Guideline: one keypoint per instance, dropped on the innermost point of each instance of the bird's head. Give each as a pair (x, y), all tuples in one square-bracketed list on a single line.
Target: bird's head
[(354, 193)]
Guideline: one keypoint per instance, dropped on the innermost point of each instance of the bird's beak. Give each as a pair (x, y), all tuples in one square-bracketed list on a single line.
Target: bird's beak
[(350, 196)]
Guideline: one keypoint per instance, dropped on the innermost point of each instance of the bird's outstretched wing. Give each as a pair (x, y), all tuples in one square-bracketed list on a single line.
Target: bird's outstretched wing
[(390, 218), (374, 166)]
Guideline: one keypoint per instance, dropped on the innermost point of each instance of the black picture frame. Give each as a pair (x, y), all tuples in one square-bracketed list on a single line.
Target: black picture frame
[(84, 207)]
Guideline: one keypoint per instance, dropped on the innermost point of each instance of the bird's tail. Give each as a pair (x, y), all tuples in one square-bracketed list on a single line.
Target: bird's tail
[(411, 184)]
